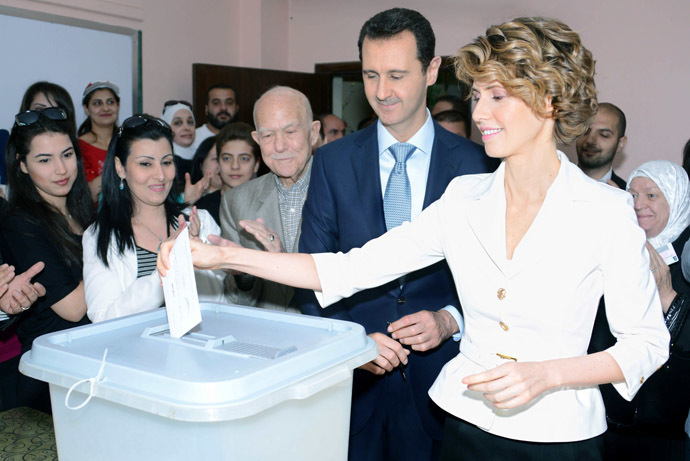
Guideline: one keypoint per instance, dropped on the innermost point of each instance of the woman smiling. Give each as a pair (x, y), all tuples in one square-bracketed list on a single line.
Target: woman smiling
[(528, 268), (50, 208), (138, 211)]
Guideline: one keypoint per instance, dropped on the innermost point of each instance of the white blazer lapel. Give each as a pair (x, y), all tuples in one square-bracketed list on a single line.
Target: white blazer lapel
[(486, 216)]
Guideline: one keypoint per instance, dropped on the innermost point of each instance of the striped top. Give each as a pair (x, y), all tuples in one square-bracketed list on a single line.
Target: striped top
[(146, 262)]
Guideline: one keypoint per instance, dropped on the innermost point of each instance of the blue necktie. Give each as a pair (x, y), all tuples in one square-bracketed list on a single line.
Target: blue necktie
[(396, 200)]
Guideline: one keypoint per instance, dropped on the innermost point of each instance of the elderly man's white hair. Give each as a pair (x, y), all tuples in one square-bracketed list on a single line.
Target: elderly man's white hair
[(287, 91)]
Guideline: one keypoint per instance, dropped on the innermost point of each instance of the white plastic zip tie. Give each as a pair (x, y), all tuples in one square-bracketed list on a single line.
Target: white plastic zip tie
[(91, 382)]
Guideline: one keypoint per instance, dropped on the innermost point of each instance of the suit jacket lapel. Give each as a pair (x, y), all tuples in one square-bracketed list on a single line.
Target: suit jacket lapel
[(442, 167), (365, 164)]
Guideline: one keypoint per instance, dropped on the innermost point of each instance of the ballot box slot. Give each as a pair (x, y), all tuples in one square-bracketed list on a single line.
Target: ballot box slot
[(226, 344)]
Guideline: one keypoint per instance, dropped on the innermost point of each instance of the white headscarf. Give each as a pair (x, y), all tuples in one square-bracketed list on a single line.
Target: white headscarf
[(673, 182), (168, 116)]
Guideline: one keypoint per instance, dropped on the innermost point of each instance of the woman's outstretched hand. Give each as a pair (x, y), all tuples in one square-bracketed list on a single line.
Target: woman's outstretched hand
[(204, 256)]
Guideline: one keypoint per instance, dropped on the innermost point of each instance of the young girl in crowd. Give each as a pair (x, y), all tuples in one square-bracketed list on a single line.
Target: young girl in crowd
[(236, 163), (50, 207), (101, 102), (532, 247), (205, 168), (138, 211), (239, 156)]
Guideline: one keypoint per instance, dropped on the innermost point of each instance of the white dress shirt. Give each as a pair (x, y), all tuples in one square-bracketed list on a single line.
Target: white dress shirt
[(541, 305), (417, 172), (417, 164)]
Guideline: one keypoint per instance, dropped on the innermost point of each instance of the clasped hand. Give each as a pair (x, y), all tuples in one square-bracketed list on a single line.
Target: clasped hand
[(511, 384), (17, 292), (422, 331)]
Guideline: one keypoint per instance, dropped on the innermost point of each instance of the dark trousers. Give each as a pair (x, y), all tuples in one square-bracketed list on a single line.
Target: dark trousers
[(620, 446), (8, 383), (33, 393), (394, 432), (466, 442)]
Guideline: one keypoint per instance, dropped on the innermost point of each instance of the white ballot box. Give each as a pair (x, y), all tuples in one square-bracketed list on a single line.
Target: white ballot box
[(245, 384)]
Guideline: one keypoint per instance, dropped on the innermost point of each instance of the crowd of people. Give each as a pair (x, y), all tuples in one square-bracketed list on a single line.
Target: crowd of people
[(507, 289)]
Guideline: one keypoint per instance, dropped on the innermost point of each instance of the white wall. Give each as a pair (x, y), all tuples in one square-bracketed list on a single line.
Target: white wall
[(642, 47)]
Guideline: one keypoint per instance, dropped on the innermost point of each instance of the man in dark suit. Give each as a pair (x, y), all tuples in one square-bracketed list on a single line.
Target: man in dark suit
[(366, 183), (597, 148)]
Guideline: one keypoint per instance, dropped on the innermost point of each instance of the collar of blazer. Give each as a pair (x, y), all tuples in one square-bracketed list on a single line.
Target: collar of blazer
[(486, 209)]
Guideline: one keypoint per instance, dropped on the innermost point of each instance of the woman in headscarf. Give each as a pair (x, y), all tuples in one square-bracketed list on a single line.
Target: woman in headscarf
[(178, 114), (651, 426)]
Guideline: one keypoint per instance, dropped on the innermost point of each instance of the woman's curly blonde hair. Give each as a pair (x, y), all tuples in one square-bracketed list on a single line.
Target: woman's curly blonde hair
[(536, 59)]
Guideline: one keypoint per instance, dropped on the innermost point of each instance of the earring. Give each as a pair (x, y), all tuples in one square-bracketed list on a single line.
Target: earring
[(122, 184)]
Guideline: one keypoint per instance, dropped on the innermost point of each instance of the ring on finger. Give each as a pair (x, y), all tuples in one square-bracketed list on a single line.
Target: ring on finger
[(25, 308), (654, 269), (271, 237)]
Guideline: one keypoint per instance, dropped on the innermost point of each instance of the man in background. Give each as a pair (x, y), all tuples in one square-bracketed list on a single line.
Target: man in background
[(333, 127), (597, 148), (221, 109), (453, 121)]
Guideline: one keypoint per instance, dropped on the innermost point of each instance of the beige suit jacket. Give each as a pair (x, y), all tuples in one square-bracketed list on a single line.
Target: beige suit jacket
[(255, 199)]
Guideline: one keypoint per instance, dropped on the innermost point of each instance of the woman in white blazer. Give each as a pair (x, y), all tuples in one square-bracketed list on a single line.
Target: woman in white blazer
[(137, 212), (532, 247)]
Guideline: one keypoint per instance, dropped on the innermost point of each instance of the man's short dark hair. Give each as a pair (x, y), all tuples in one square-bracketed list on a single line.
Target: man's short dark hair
[(453, 100), (219, 86), (619, 113), (451, 116), (391, 22)]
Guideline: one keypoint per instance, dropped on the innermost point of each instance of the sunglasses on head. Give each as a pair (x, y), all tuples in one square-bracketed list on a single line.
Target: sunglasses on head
[(140, 120), (173, 102), (31, 116)]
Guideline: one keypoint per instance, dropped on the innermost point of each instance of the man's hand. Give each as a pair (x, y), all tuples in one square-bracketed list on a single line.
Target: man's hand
[(21, 293), (263, 234), (391, 355), (424, 330)]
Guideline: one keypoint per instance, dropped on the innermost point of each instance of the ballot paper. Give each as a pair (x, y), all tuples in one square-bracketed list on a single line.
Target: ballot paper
[(179, 287), (667, 253)]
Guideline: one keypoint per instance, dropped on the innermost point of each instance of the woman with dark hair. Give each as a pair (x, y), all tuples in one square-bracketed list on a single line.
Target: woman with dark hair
[(50, 207), (205, 167), (42, 95), (138, 210), (531, 247), (101, 102)]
